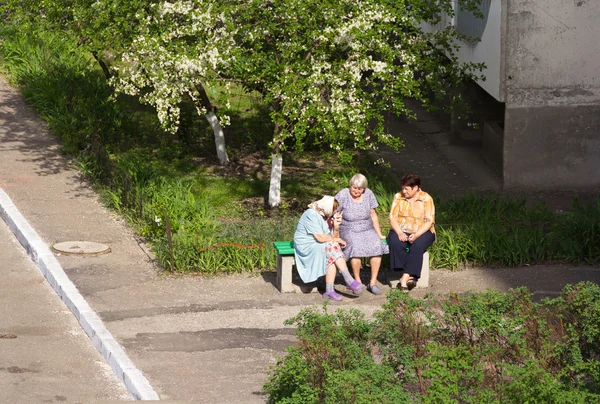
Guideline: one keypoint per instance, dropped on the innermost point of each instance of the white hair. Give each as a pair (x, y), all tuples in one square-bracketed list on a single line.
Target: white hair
[(359, 181)]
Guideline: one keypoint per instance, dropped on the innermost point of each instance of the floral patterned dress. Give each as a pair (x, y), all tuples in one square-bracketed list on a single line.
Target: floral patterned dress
[(357, 227)]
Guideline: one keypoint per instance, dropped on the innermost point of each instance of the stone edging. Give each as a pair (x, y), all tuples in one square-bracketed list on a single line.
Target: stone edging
[(136, 384)]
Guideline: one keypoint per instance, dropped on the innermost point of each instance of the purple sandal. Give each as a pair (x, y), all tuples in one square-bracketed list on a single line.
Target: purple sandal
[(356, 287)]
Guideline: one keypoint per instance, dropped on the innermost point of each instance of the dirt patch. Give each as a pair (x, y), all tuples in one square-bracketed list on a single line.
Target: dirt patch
[(258, 207)]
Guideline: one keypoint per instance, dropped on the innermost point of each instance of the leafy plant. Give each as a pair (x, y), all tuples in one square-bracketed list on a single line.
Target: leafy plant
[(481, 347)]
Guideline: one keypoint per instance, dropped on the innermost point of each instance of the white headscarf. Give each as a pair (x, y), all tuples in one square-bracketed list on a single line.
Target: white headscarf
[(323, 206)]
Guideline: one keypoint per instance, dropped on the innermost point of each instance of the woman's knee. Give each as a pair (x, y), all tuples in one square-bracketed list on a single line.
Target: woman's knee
[(340, 263), (423, 242), (375, 259)]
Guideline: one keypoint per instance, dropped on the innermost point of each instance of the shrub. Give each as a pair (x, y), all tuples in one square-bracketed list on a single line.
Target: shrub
[(487, 347), (332, 363)]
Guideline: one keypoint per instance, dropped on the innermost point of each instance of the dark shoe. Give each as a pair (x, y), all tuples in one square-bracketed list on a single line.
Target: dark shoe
[(356, 287), (411, 283), (374, 289), (333, 295)]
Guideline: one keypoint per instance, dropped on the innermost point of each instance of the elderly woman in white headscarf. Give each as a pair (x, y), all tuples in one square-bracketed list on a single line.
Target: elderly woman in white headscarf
[(317, 247)]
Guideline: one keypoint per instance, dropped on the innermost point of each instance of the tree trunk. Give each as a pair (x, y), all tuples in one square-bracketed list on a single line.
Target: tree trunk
[(219, 137), (103, 66), (276, 169), (212, 119), (275, 186)]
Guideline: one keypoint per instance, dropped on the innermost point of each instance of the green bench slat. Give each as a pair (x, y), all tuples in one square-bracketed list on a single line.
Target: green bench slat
[(284, 247), (287, 247)]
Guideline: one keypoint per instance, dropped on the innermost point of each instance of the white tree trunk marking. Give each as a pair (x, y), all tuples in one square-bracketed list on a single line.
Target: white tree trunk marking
[(275, 187), (219, 137)]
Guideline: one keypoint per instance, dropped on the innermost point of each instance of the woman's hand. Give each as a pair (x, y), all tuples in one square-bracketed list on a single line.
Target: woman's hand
[(403, 237), (341, 242), (413, 237), (337, 219)]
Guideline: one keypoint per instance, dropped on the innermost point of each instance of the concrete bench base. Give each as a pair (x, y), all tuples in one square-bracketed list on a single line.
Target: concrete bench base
[(423, 280), (285, 264), (285, 284)]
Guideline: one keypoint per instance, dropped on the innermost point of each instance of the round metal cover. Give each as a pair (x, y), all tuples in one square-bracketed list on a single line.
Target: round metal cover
[(80, 248)]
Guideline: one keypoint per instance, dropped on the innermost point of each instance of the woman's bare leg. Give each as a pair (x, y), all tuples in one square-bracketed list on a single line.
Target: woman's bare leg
[(375, 265), (355, 264), (330, 274)]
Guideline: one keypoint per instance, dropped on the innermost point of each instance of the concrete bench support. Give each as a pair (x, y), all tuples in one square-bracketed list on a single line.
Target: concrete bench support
[(424, 280), (284, 273)]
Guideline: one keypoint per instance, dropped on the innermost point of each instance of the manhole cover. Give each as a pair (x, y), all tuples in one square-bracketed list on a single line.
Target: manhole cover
[(80, 248)]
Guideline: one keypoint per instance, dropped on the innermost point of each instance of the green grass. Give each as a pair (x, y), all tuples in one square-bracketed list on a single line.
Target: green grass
[(495, 230)]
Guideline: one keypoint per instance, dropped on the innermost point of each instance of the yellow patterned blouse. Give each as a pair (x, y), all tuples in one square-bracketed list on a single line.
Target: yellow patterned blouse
[(411, 216)]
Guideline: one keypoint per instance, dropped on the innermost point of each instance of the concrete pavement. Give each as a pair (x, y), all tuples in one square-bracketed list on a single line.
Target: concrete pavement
[(206, 340), (44, 354)]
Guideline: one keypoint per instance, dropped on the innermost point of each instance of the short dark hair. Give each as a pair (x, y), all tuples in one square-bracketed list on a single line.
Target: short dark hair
[(410, 180)]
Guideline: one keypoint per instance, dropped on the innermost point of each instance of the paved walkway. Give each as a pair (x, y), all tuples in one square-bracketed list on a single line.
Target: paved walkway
[(44, 354), (195, 339)]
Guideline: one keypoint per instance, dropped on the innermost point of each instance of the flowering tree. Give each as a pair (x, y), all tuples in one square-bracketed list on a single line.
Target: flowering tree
[(330, 69), (181, 46), (160, 51)]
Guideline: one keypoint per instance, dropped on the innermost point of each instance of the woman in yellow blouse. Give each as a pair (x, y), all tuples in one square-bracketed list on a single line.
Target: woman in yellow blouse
[(412, 217)]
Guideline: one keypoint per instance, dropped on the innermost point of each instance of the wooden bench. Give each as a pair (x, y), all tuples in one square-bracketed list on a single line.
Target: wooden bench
[(285, 263)]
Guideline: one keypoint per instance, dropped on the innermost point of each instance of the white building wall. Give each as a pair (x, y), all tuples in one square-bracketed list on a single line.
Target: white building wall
[(488, 50), (553, 52), (552, 87)]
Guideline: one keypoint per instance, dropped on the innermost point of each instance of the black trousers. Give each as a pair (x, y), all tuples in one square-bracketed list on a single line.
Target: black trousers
[(412, 261)]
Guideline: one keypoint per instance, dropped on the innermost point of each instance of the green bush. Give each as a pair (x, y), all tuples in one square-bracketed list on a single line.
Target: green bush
[(332, 363), (487, 347)]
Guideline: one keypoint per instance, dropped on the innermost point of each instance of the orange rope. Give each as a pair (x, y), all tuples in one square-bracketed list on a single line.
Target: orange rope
[(236, 245)]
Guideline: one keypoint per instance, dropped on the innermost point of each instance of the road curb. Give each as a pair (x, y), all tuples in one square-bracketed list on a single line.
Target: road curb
[(136, 384)]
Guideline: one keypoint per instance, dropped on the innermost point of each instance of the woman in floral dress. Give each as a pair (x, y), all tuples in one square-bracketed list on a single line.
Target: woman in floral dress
[(360, 229)]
